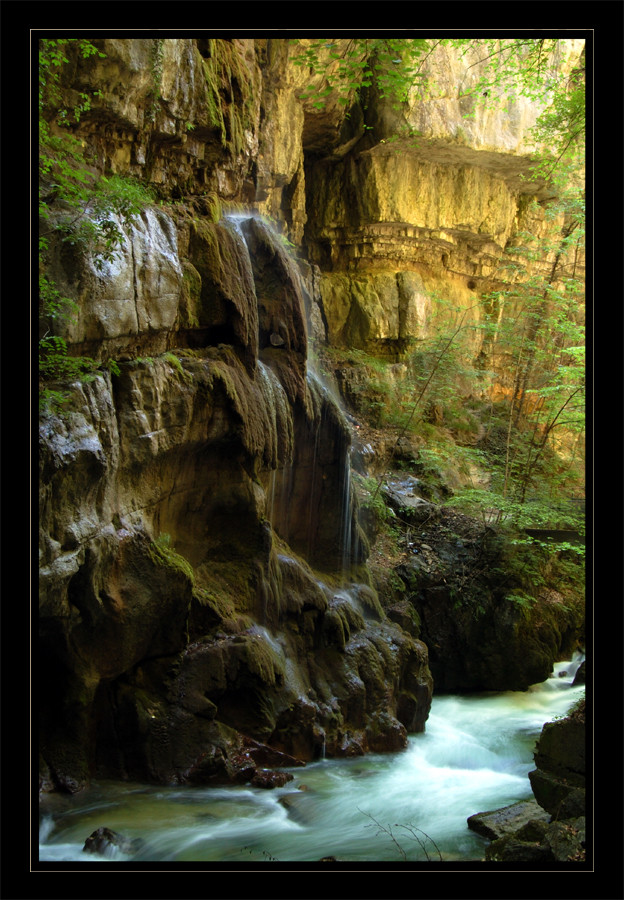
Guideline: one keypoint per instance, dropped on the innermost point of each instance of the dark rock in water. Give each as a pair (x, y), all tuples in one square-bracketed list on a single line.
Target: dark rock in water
[(266, 756), (550, 828), (579, 678), (300, 805), (271, 779), (556, 795), (106, 842), (508, 820), (558, 782)]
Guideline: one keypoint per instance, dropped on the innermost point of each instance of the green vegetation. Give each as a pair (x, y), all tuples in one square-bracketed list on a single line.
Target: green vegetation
[(391, 64), (76, 207), (175, 362), (163, 554), (229, 94), (508, 68)]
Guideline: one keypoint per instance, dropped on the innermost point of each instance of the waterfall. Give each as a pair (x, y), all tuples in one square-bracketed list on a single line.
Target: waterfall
[(309, 497), (347, 518)]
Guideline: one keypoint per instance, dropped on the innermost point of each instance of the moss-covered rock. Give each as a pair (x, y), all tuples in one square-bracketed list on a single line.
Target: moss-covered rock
[(480, 634)]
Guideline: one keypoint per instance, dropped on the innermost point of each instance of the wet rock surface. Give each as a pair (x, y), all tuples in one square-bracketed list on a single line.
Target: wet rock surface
[(182, 503), (497, 823), (107, 842), (550, 828), (196, 513), (558, 781)]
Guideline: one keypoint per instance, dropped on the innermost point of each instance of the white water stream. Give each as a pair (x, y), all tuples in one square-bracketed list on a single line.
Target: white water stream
[(475, 755)]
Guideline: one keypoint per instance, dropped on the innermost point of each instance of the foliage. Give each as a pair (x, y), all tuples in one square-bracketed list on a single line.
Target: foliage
[(392, 65), (174, 361), (538, 339), (75, 206), (371, 501), (506, 68)]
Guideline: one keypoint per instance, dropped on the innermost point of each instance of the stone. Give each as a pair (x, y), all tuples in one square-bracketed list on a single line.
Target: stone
[(556, 795), (567, 839), (107, 842), (579, 677), (508, 820), (509, 849), (134, 292), (301, 806), (271, 779)]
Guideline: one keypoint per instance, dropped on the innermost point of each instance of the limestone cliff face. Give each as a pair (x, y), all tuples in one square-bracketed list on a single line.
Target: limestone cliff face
[(400, 217), (204, 607), (196, 525)]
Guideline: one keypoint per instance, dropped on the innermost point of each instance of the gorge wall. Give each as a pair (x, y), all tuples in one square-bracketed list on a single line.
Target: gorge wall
[(205, 605)]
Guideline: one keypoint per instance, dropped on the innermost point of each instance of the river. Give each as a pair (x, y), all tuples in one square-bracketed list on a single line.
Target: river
[(475, 755)]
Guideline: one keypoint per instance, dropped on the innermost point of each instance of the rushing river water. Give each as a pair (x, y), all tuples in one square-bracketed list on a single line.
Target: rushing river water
[(475, 755)]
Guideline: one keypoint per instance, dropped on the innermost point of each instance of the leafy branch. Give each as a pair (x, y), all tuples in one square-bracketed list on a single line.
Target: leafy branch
[(416, 404)]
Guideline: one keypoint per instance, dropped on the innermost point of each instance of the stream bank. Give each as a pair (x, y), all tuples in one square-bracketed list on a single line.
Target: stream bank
[(217, 596), (476, 753)]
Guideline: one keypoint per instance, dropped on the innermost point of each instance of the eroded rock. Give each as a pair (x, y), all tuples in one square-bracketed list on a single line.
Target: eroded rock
[(107, 842)]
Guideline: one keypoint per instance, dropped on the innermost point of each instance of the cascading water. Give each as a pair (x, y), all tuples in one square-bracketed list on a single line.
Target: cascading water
[(311, 493), (474, 756), (347, 518)]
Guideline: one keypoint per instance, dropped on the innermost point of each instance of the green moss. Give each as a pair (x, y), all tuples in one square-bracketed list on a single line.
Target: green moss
[(226, 585), (162, 554), (217, 599), (229, 94), (214, 207), (262, 660), (191, 296), (173, 360)]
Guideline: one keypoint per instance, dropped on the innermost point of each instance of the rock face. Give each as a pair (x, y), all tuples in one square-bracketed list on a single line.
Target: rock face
[(182, 503), (205, 609), (428, 204), (460, 585), (558, 782)]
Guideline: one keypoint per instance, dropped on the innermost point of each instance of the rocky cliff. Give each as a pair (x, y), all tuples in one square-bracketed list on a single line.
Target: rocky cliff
[(205, 607)]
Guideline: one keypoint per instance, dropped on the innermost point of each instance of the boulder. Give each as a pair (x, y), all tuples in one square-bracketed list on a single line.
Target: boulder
[(508, 820), (558, 782), (271, 779), (537, 842), (107, 842)]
